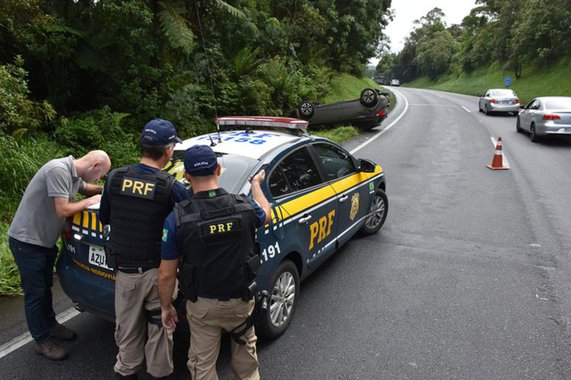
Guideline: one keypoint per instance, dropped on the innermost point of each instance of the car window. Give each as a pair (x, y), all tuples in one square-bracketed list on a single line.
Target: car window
[(558, 103), (533, 105), (503, 93), (294, 173), (335, 161)]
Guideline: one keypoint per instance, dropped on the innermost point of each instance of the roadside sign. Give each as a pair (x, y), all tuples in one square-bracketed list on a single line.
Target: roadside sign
[(508, 81)]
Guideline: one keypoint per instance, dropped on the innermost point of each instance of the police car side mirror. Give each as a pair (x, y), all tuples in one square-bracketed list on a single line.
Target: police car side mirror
[(366, 166)]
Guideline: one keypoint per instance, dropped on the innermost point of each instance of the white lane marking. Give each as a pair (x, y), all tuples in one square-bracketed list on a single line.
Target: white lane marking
[(432, 105), (387, 127), (505, 159), (26, 338), (466, 109)]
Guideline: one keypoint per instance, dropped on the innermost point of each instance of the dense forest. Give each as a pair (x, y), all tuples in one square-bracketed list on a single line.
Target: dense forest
[(513, 34), (82, 74)]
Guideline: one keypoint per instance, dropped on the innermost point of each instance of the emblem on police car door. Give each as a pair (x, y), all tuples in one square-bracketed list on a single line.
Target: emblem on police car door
[(354, 206)]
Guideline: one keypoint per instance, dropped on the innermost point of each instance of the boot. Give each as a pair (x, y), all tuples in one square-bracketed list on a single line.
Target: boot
[(51, 351), (61, 332)]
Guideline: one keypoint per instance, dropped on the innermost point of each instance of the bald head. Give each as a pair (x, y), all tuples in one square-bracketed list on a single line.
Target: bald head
[(94, 165)]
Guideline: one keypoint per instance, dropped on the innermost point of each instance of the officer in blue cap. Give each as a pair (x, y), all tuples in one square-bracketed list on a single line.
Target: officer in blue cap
[(213, 234), (135, 202)]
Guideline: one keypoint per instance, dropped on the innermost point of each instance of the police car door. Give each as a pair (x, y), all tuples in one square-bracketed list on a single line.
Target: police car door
[(351, 191), (306, 205)]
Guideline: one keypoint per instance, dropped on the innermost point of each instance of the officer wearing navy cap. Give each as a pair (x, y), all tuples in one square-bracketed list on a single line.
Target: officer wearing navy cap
[(135, 202), (213, 234)]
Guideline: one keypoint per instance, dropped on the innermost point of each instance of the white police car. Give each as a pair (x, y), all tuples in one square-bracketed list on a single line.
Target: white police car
[(320, 196)]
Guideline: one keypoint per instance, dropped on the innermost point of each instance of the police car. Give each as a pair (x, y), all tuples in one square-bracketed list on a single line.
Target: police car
[(320, 197)]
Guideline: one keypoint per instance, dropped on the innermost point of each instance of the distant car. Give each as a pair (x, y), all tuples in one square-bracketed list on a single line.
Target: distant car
[(543, 116), (380, 80), (367, 112), (499, 100), (395, 82), (320, 194)]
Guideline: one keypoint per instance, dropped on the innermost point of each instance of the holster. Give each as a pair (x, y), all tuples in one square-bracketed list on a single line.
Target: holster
[(110, 256)]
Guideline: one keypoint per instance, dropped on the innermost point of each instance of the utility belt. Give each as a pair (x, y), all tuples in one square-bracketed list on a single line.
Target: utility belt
[(192, 292), (111, 260)]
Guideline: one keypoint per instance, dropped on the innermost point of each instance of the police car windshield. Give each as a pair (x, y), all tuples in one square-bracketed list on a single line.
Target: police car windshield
[(234, 173)]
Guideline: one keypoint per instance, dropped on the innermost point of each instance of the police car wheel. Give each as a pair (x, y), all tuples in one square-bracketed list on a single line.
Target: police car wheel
[(378, 213), (284, 291)]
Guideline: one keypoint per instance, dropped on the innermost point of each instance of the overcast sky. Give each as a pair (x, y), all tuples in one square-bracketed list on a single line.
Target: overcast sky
[(406, 11)]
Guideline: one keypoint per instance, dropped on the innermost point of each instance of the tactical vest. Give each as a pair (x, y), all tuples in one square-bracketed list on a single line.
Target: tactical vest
[(216, 239), (140, 203)]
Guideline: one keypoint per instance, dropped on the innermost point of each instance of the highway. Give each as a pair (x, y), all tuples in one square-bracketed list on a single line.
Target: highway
[(469, 278)]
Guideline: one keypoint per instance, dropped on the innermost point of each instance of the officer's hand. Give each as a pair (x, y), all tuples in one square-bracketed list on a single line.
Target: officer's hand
[(259, 177), (169, 317)]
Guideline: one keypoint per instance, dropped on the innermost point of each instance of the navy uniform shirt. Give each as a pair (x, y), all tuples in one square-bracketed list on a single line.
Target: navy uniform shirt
[(169, 250), (178, 192)]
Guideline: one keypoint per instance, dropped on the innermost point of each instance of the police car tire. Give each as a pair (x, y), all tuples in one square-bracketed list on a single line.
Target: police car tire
[(380, 200), (264, 326)]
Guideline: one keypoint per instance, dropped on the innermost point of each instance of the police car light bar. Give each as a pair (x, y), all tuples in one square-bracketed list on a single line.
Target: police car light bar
[(262, 121)]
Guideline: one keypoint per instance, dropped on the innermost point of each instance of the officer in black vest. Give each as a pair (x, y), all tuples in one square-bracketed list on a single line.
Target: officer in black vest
[(135, 202), (213, 235)]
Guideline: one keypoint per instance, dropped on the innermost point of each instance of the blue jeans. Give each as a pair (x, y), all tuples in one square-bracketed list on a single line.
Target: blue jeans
[(36, 265)]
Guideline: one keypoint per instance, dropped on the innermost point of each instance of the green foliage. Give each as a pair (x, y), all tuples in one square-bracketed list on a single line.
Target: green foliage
[(23, 159), (435, 52), (338, 135), (9, 274), (176, 28), (245, 62), (513, 33), (18, 113), (535, 81), (98, 129), (289, 85)]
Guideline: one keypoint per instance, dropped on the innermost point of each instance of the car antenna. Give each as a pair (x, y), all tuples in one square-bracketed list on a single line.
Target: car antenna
[(208, 71), (212, 143)]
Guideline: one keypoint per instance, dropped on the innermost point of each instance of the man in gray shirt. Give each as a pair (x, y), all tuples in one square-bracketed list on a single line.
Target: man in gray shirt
[(47, 201)]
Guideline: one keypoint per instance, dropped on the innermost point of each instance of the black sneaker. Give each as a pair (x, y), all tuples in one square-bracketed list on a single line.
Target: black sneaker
[(61, 332), (51, 351)]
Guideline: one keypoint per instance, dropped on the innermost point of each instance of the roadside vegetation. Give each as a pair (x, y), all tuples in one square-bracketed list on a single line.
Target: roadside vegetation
[(82, 75), (528, 40), (533, 82)]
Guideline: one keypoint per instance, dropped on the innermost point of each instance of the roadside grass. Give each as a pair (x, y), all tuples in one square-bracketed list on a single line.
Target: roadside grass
[(535, 81), (9, 275), (338, 134)]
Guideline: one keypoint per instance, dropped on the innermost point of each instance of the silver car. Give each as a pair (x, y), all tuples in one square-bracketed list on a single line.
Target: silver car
[(499, 100), (548, 115)]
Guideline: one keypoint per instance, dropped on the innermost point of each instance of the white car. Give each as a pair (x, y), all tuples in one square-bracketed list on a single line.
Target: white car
[(499, 100)]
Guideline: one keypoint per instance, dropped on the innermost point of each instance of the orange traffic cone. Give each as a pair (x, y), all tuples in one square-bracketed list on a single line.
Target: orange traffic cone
[(498, 160)]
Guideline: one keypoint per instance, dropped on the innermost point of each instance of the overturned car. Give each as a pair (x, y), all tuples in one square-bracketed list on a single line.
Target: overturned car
[(367, 112)]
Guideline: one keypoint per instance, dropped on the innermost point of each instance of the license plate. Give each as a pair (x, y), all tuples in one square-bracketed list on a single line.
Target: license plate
[(97, 257)]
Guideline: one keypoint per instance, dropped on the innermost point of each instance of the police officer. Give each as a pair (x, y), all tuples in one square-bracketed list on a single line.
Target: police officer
[(213, 234), (135, 202)]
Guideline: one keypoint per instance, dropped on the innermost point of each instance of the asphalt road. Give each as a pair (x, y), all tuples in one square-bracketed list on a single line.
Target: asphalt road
[(468, 279)]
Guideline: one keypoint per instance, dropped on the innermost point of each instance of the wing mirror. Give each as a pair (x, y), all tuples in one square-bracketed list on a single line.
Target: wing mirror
[(366, 166)]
